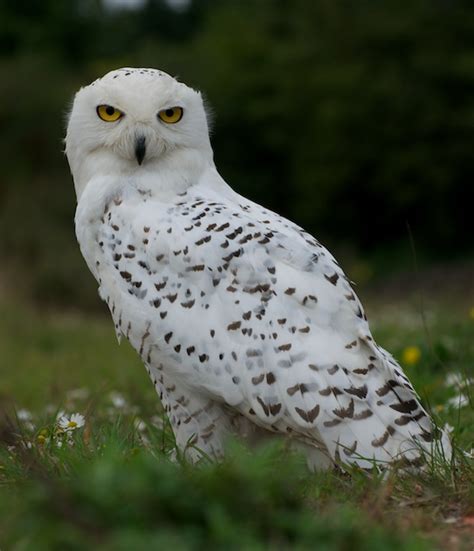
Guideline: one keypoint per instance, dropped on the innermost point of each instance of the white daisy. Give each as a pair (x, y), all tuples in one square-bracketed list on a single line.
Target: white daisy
[(458, 380), (73, 422), (459, 401)]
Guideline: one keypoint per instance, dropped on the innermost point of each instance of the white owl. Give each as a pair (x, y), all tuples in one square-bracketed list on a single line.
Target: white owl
[(245, 323)]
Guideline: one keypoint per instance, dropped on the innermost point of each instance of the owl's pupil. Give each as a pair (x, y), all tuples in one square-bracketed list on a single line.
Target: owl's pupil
[(169, 112), (109, 110)]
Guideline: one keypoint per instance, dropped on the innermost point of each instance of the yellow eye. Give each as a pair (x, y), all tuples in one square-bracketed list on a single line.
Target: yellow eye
[(108, 113), (171, 115)]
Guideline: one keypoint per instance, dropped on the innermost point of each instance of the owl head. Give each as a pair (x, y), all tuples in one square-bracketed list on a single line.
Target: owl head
[(135, 121)]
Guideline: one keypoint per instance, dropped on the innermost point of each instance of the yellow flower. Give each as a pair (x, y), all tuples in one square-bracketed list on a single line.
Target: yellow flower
[(411, 355), (41, 439)]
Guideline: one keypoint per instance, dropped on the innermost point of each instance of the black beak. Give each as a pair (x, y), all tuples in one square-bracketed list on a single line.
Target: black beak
[(140, 149)]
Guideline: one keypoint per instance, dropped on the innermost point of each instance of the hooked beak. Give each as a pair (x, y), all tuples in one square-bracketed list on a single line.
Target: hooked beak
[(140, 149)]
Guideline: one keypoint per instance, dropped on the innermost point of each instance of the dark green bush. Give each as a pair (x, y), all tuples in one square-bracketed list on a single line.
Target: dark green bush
[(352, 118)]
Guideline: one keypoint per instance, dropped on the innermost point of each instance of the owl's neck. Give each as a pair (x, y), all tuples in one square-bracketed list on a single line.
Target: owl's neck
[(163, 180), (167, 175)]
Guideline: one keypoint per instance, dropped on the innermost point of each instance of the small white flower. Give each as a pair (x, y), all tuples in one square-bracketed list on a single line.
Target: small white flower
[(458, 380), (24, 415), (73, 422), (144, 440), (448, 428), (139, 424), (25, 418), (117, 400), (158, 422), (459, 401), (453, 379)]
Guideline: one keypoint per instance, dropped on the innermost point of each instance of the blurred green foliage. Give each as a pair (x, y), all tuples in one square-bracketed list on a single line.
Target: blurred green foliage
[(351, 118), (139, 502), (113, 487)]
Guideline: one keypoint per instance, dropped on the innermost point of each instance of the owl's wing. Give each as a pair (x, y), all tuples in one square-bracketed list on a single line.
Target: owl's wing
[(245, 306)]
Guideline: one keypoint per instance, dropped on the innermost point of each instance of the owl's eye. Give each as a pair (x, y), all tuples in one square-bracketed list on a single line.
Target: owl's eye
[(171, 115), (108, 113)]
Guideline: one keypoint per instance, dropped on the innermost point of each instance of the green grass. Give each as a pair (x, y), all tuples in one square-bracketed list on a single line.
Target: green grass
[(111, 484)]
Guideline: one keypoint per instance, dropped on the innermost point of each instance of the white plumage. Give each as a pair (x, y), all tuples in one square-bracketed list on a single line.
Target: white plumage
[(245, 323)]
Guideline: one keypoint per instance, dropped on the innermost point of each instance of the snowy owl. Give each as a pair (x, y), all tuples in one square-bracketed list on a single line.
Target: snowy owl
[(245, 323)]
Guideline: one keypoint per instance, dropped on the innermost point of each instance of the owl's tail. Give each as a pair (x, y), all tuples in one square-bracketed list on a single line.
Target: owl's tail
[(386, 426)]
